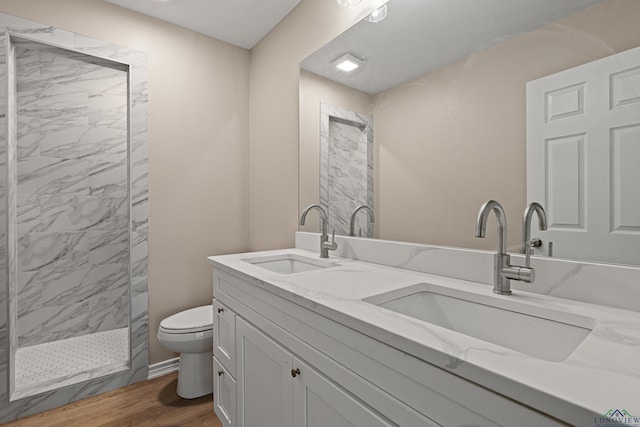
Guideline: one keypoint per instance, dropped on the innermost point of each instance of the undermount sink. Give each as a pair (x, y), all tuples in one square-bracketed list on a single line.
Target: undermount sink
[(537, 331), (289, 263)]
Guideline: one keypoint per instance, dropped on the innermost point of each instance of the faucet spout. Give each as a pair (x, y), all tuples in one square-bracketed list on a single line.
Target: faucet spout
[(321, 212), (325, 246), (534, 207), (353, 218), (501, 283), (481, 224)]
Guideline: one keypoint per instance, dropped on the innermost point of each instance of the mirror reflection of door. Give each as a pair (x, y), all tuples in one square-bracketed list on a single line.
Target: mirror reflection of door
[(583, 158)]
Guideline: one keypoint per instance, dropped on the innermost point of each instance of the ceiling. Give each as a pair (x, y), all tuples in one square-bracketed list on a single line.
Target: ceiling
[(239, 22), (419, 36)]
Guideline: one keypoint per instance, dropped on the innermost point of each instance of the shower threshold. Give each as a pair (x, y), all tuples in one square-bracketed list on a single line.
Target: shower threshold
[(57, 364)]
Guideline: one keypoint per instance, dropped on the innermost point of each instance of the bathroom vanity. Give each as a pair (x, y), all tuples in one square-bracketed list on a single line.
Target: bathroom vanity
[(339, 341)]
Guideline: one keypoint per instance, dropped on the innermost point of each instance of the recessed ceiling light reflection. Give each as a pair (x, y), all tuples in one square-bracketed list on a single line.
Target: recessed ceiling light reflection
[(347, 62)]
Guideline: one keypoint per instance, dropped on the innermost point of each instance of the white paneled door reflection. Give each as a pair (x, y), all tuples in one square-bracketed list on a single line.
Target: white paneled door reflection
[(583, 158)]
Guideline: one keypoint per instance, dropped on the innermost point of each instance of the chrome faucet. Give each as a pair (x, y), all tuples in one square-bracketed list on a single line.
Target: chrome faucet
[(503, 271), (501, 284), (353, 218), (325, 246), (527, 242)]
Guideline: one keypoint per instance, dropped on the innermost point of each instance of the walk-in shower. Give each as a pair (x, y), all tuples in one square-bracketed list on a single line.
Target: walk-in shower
[(73, 240), (71, 216)]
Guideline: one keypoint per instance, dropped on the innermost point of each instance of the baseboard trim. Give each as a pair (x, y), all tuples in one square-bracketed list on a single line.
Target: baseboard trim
[(163, 368)]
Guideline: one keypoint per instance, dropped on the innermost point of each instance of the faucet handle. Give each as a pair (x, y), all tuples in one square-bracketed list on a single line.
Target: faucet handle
[(333, 245), (535, 243), (523, 274)]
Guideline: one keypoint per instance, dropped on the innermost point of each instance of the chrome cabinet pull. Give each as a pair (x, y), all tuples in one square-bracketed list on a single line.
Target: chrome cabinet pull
[(220, 310), (295, 372), (220, 373)]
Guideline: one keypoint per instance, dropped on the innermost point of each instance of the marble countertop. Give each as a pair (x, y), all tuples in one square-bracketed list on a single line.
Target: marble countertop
[(602, 373)]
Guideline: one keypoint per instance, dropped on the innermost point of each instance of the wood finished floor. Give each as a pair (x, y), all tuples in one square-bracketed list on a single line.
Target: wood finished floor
[(152, 403)]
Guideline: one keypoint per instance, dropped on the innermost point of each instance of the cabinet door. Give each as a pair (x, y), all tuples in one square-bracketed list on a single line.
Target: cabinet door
[(224, 336), (317, 402), (265, 392), (224, 395)]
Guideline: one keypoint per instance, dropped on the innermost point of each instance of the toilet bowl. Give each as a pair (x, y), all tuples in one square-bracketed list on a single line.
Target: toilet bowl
[(190, 333)]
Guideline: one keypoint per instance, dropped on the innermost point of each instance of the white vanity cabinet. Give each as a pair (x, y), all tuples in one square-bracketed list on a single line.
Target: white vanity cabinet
[(276, 389), (295, 367)]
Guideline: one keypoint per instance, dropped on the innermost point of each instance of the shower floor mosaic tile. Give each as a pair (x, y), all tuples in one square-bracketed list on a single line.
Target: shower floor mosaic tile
[(56, 364)]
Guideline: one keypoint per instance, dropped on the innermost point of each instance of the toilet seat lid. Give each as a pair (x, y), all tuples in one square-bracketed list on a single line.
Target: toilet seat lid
[(192, 320)]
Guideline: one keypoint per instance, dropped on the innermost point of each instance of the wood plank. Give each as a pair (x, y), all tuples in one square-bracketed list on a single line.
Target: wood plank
[(148, 403)]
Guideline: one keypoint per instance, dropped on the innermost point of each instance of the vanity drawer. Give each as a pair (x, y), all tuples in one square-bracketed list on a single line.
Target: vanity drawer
[(224, 336), (224, 394)]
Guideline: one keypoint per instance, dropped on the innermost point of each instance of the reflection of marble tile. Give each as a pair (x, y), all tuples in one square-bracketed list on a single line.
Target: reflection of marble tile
[(108, 110), (346, 167), (36, 31), (78, 70), (139, 218), (51, 101), (347, 180), (27, 62), (139, 183), (113, 138), (63, 141), (59, 140)]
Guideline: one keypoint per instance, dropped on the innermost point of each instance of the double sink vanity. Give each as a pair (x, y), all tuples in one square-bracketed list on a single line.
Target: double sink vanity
[(388, 333)]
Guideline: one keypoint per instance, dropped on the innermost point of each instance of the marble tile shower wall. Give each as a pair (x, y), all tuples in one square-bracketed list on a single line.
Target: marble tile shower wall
[(72, 210), (12, 30)]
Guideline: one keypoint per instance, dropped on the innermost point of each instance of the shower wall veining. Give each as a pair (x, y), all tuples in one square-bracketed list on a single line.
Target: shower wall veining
[(72, 196)]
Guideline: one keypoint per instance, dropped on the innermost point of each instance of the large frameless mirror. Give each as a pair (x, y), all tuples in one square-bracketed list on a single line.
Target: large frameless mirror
[(445, 86)]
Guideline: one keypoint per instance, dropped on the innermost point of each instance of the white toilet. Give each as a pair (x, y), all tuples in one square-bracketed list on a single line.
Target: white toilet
[(190, 333)]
